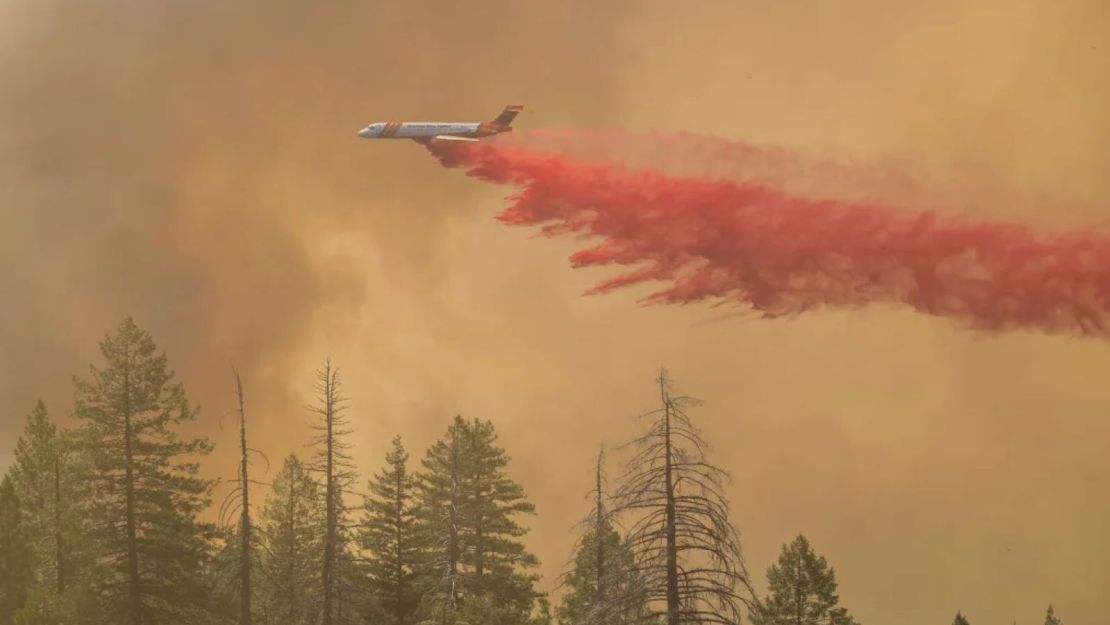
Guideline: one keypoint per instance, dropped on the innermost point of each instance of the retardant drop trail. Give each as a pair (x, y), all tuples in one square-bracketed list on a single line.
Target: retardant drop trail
[(782, 253)]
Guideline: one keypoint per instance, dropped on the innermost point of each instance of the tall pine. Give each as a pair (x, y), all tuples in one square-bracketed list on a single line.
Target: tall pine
[(15, 554), (441, 518), (802, 590), (146, 494), (290, 532), (960, 619), (478, 568), (389, 537), (491, 538), (1050, 617)]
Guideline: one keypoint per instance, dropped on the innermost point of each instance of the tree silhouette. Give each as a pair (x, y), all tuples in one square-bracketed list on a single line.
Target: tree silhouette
[(686, 549)]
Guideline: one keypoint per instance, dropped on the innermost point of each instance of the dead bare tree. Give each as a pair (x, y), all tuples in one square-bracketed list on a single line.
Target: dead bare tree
[(687, 552), (333, 460), (245, 514), (601, 523)]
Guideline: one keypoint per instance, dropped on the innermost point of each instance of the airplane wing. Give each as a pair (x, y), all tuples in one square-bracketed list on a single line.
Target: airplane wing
[(452, 138)]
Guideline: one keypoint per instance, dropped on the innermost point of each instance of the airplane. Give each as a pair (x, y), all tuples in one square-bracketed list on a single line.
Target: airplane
[(424, 132)]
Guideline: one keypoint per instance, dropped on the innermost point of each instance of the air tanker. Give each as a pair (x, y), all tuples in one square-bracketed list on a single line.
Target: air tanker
[(424, 132)]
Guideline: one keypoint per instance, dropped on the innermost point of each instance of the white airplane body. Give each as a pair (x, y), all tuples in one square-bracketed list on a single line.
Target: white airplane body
[(423, 132)]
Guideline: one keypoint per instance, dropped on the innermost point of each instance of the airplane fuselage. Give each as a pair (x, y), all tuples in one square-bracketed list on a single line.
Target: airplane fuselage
[(412, 130), (442, 131)]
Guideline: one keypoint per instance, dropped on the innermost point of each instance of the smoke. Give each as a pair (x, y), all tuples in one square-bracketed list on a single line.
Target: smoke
[(195, 166), (758, 244)]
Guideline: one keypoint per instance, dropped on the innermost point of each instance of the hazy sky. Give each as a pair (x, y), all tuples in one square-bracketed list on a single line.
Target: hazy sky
[(195, 165)]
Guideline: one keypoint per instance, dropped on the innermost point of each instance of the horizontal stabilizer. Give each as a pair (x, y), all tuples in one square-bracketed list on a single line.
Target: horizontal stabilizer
[(451, 138)]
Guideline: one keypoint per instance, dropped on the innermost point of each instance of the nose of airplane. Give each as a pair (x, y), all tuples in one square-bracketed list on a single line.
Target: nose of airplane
[(365, 133)]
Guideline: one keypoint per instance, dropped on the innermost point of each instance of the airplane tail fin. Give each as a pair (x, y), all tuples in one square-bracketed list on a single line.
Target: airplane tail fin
[(507, 116)]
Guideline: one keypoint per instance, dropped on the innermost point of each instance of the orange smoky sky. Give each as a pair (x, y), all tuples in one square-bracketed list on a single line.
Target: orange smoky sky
[(195, 165)]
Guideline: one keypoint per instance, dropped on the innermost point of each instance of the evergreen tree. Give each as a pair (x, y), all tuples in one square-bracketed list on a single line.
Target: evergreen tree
[(353, 604), (145, 492), (389, 536), (15, 554), (476, 564), (45, 477), (543, 613), (802, 589), (960, 619), (1050, 617), (491, 535), (602, 587), (440, 512), (38, 476), (687, 550), (47, 480), (223, 570), (291, 536)]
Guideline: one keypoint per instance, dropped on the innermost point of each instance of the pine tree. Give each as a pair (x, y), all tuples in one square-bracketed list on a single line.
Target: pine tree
[(334, 463), (291, 538), (543, 612), (686, 548), (491, 535), (602, 587), (802, 589), (389, 536), (476, 564), (1050, 617), (960, 619), (440, 512), (15, 554), (44, 480), (146, 494)]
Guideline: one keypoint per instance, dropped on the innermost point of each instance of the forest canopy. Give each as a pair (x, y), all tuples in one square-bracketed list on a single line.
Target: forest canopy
[(109, 521)]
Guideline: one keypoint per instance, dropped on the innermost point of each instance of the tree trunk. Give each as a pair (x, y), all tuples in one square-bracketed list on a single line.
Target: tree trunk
[(330, 503), (59, 551), (479, 541), (133, 590), (453, 531), (245, 529), (399, 565), (293, 549), (599, 539), (671, 530)]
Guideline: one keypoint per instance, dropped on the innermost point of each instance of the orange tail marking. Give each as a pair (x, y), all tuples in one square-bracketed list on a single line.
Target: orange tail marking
[(507, 116)]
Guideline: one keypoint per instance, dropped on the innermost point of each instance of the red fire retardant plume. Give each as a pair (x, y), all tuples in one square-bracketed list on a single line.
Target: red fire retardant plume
[(779, 253)]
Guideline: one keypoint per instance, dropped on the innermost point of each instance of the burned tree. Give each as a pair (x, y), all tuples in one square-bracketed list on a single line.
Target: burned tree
[(232, 570), (686, 550), (245, 514), (334, 463)]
